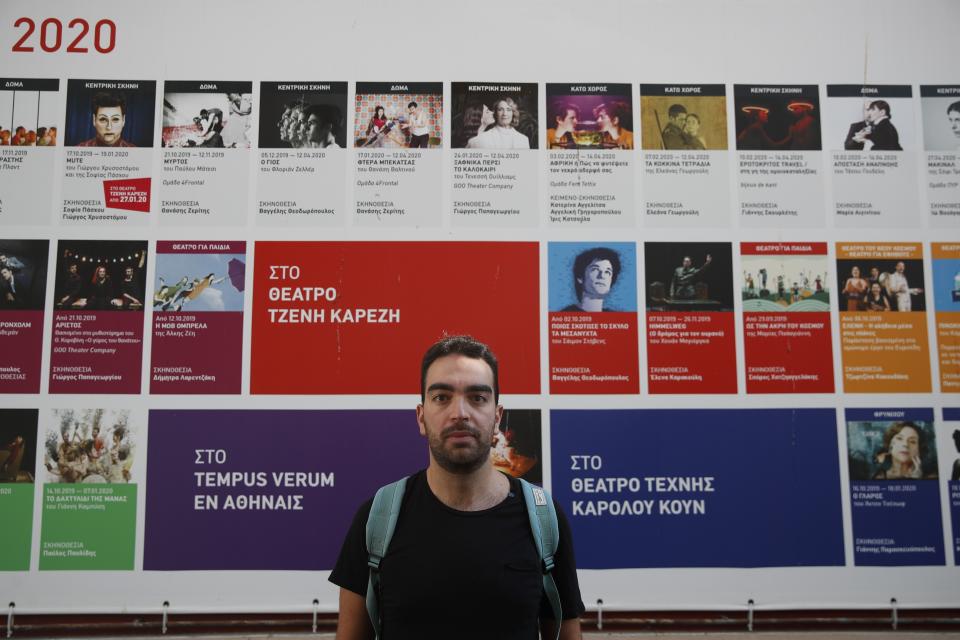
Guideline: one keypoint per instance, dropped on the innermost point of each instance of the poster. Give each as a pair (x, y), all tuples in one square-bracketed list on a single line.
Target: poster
[(494, 134), (90, 479), (23, 286), (883, 320), (894, 492), (589, 132), (940, 106), (30, 111), (593, 318), (97, 339), (321, 310), (778, 155), (18, 452), (951, 460), (398, 132), (685, 159), (679, 488), (107, 169), (198, 317), (786, 317), (691, 346), (946, 300), (302, 168)]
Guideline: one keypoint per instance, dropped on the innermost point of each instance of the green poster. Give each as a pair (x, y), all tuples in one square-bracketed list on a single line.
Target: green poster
[(16, 505), (88, 526)]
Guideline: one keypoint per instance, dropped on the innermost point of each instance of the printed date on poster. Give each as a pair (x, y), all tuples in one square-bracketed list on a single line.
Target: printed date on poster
[(50, 35)]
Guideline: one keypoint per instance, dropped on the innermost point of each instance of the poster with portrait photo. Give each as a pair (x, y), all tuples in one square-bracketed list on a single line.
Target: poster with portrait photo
[(589, 117), (492, 128), (684, 133), (946, 300), (198, 317), (107, 166), (950, 471), (894, 493), (301, 171), (29, 117), (691, 344), (785, 294), (18, 454), (869, 130), (593, 317), (91, 471), (23, 286), (99, 298), (883, 320), (940, 107)]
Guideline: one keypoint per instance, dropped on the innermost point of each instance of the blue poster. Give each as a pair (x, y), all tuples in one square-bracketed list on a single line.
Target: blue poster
[(894, 492), (953, 486), (699, 488)]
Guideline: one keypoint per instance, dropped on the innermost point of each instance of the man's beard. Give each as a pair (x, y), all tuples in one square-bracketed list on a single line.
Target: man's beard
[(460, 460)]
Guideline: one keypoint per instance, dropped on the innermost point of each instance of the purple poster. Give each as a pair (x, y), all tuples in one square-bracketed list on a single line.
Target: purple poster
[(266, 490), (198, 317), (98, 318), (23, 282)]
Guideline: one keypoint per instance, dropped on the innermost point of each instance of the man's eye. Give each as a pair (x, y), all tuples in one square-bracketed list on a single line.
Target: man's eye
[(479, 399), (441, 397)]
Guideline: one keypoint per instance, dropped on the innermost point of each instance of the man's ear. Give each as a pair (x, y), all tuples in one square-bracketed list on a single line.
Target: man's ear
[(423, 428)]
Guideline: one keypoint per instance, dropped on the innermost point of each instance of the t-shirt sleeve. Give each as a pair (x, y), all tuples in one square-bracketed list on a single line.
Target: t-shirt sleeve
[(565, 573), (351, 571)]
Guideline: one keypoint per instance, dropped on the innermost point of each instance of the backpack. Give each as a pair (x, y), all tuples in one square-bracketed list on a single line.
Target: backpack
[(383, 520)]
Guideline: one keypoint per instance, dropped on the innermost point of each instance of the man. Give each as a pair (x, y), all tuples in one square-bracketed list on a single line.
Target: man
[(417, 126), (130, 296), (109, 117), (565, 117), (672, 135), (685, 277), (72, 288), (321, 119), (8, 289), (804, 133), (462, 561), (595, 272), (875, 132), (899, 289), (953, 117), (611, 118), (503, 135)]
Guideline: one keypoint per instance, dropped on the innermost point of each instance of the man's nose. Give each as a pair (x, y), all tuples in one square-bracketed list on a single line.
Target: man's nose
[(460, 408)]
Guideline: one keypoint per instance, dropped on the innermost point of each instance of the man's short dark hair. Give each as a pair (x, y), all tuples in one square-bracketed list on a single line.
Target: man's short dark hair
[(675, 110), (585, 258), (108, 99), (954, 106), (459, 345), (326, 114), (618, 109), (881, 104), (412, 104), (559, 110)]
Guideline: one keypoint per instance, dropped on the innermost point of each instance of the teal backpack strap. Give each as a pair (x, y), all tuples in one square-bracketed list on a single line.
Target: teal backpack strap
[(380, 525), (546, 535)]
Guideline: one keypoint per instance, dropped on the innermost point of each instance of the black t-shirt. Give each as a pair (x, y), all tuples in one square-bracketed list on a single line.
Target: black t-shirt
[(475, 573)]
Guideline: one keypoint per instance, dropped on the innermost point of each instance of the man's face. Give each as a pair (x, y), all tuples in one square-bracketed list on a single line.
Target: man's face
[(605, 121), (459, 415), (901, 267), (569, 121), (597, 279), (687, 262), (504, 114), (73, 269), (6, 274), (108, 121), (316, 130), (874, 114), (412, 110), (128, 273), (954, 118), (679, 119)]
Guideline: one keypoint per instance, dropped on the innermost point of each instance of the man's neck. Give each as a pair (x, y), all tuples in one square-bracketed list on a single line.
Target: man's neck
[(477, 490), (588, 303)]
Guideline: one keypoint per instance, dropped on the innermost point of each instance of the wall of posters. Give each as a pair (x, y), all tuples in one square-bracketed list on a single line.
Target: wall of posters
[(718, 264)]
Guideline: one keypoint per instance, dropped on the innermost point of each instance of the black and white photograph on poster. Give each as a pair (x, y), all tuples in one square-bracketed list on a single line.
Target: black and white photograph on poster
[(302, 168), (493, 128), (685, 159), (207, 126), (29, 115), (779, 159), (398, 132), (107, 167), (940, 107), (589, 128), (869, 132)]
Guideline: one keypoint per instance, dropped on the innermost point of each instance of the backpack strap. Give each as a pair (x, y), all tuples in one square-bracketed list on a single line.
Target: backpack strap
[(546, 535), (380, 526)]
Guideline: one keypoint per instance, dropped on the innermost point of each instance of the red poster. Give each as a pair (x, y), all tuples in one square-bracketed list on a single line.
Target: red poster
[(593, 352), (786, 302), (356, 317), (21, 341), (691, 352)]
